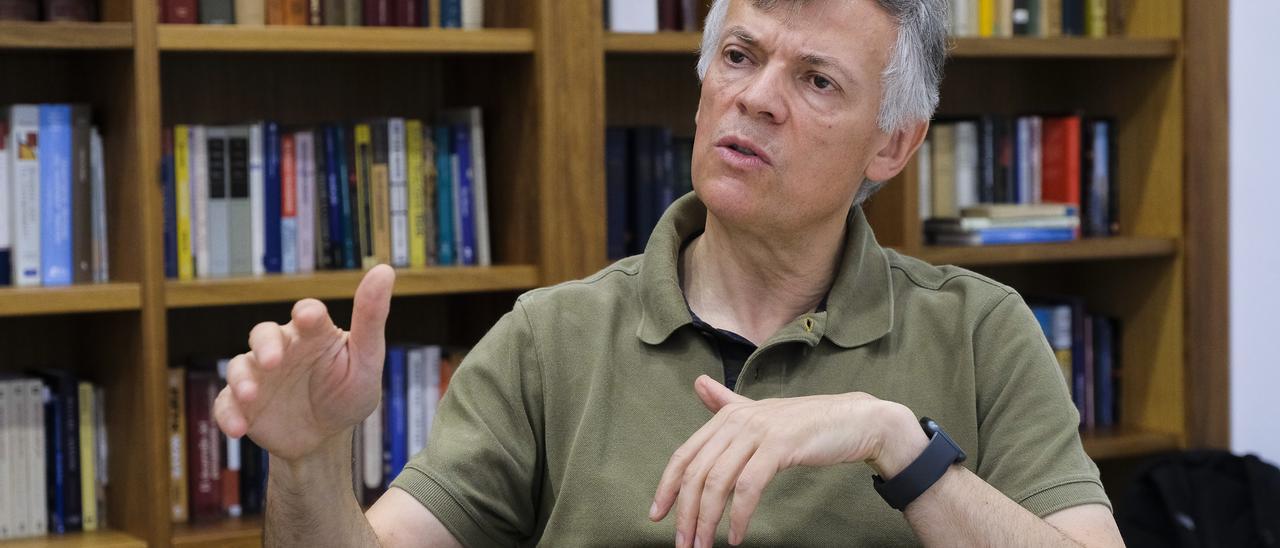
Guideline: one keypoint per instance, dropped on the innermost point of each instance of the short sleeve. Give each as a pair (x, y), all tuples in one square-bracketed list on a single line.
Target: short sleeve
[(479, 471), (1028, 427)]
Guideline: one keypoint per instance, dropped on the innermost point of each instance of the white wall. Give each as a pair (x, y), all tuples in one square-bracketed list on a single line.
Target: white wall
[(1255, 227)]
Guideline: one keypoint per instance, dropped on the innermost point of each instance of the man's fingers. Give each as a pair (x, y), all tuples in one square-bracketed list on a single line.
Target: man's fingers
[(669, 485), (310, 316), (715, 395), (689, 499), (369, 315), (228, 415), (268, 343), (720, 483), (241, 378), (748, 488)]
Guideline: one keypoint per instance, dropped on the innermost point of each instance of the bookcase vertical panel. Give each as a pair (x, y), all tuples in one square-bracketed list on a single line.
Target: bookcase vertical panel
[(1151, 18)]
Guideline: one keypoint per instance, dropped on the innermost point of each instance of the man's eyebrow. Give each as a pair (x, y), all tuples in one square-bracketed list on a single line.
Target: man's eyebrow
[(741, 33), (824, 62)]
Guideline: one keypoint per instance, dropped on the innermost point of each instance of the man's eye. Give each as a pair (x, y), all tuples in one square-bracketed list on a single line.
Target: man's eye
[(822, 82), (736, 56)]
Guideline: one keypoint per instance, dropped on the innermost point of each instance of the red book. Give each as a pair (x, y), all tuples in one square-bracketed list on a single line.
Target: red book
[(288, 187), (1060, 160), (180, 12), (407, 13), (377, 13), (204, 472), (668, 14), (19, 10)]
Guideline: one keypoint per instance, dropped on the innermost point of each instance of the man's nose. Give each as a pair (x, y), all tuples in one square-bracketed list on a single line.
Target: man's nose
[(764, 96)]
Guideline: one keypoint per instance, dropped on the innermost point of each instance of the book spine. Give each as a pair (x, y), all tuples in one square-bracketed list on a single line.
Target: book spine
[(1095, 18), (24, 163), (323, 248), (230, 459), (182, 197), (6, 238), (364, 176), (616, 182), (217, 225), (181, 12), (275, 12), (240, 212), (81, 196), (416, 194), (288, 204), (346, 176), (397, 415), (54, 495), (924, 179), (371, 453), (98, 208), (257, 209), (176, 422), (250, 12), (20, 419), (466, 211), (353, 16), (455, 175), (642, 193), (271, 200), (200, 199), (217, 12), (944, 154), (297, 12), (399, 192), (451, 14), (9, 500), (380, 194), (37, 473), (205, 471), (429, 186), (432, 358), (252, 475), (55, 194), (304, 206), (444, 196), (416, 400), (315, 13), (335, 14), (480, 188), (1073, 17), (100, 454), (88, 472)]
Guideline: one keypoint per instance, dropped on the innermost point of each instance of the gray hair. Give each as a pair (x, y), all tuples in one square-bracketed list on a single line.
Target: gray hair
[(910, 79)]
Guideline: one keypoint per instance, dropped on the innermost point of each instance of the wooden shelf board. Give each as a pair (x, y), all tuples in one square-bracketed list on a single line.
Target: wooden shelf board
[(342, 285), (31, 301), (97, 539), (1096, 48), (1068, 47), (228, 533), (1126, 442), (68, 36), (1089, 249), (342, 39)]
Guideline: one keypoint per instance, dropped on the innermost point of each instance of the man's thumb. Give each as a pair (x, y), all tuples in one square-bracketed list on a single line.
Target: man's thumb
[(715, 395), (369, 314)]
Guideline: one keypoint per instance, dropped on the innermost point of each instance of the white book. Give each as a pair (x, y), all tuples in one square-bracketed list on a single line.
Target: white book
[(472, 14), (200, 200), (633, 15), (304, 158), (371, 436), (19, 465), (37, 395), (960, 25), (6, 241), (218, 215), (432, 358), (924, 178), (966, 164), (98, 208), (24, 165), (399, 190), (256, 176), (8, 495), (416, 399), (479, 187)]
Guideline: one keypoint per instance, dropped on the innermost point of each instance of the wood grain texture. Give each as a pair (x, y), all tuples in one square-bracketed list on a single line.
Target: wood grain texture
[(1208, 241), (1091, 249), (1130, 442), (97, 539), (230, 533), (342, 39), (342, 285), (569, 79), (66, 35), (29, 301)]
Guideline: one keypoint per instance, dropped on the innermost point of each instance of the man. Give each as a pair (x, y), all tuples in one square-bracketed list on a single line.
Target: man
[(572, 421)]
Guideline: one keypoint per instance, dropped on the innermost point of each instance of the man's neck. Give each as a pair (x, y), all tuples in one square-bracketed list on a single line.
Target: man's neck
[(753, 284)]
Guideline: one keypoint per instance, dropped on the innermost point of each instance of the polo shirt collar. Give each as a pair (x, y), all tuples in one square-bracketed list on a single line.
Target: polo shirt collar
[(859, 303)]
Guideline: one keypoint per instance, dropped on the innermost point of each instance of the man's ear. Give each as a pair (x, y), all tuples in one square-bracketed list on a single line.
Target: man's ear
[(891, 158)]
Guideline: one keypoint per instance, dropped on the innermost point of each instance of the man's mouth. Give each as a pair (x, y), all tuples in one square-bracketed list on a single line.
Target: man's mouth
[(743, 150)]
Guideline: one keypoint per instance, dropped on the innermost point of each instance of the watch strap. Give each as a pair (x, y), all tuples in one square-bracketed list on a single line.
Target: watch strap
[(920, 475)]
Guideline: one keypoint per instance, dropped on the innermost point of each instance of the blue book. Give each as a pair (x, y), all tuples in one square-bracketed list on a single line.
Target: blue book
[(55, 499), (465, 198), (396, 442), (333, 194), (642, 183), (451, 14), (346, 179), (167, 181), (271, 260), (444, 197), (1044, 317), (62, 446), (664, 169), (616, 143), (1104, 365), (55, 194), (1006, 235)]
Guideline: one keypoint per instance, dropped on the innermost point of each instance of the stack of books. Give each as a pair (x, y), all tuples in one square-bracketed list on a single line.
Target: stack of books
[(1087, 346), (48, 10), (996, 224), (652, 15), (646, 169), (1037, 18), (464, 14)]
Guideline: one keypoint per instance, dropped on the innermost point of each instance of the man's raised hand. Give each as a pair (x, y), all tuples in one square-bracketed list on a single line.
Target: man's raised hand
[(306, 381)]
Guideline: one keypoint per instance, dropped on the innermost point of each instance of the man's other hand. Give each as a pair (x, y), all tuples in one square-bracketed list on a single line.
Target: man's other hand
[(306, 381)]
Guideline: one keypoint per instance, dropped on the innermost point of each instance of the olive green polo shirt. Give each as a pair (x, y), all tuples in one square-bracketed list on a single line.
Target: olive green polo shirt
[(558, 424)]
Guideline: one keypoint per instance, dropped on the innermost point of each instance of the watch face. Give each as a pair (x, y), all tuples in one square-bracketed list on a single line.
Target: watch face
[(930, 427)]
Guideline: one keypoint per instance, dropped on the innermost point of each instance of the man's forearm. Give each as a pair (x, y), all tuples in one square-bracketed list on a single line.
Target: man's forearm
[(963, 510), (311, 503)]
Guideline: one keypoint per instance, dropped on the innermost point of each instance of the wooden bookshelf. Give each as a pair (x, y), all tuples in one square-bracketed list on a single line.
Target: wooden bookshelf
[(1127, 442), (66, 36), (342, 285), (96, 539), (1090, 249), (373, 40), (109, 297), (230, 533), (688, 43)]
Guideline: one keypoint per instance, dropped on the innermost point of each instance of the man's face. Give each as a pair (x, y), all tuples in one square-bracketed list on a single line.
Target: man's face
[(799, 87)]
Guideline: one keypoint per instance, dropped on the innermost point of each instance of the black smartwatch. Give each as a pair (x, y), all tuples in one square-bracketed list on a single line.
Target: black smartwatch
[(922, 473)]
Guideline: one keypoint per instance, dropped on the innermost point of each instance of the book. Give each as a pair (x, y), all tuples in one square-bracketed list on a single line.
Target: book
[(1012, 211), (334, 187), (1095, 18), (101, 454), (19, 10), (398, 188), (380, 192), (464, 181), (9, 496), (99, 255), (966, 163), (6, 240), (24, 164), (1099, 193), (273, 187), (943, 177), (633, 15), (1002, 236), (250, 12), (472, 14), (967, 224), (346, 178), (364, 185), (217, 209), (37, 463), (217, 12), (304, 207), (180, 12), (445, 251), (288, 204), (241, 213), (322, 248), (205, 469), (176, 431), (416, 194), (82, 214), (200, 200), (429, 188), (415, 399), (230, 458), (88, 456), (617, 172), (182, 197), (1060, 167), (55, 195), (451, 14), (924, 179), (257, 208), (70, 10), (62, 452), (395, 392)]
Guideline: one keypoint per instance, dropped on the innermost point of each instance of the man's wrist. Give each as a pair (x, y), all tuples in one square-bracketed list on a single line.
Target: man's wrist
[(900, 440)]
